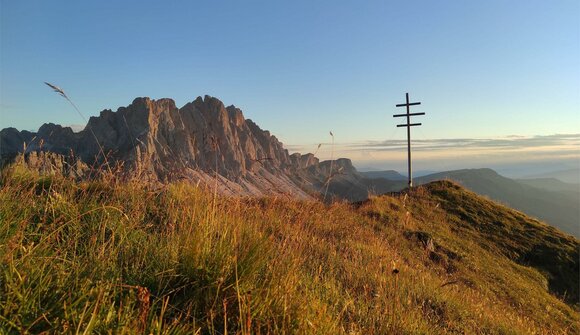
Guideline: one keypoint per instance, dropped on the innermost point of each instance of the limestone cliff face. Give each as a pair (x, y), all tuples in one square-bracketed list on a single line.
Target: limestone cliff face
[(201, 141), (202, 135)]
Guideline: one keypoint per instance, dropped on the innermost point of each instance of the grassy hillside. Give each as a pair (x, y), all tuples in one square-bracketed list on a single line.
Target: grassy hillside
[(559, 209), (103, 256)]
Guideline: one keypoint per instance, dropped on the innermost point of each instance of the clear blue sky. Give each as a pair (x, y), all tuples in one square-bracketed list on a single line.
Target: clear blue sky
[(482, 69)]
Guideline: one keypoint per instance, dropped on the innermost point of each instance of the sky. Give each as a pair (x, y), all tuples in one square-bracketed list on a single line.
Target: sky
[(485, 71)]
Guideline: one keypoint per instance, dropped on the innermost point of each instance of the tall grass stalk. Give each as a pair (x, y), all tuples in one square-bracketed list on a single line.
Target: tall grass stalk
[(330, 175), (64, 95)]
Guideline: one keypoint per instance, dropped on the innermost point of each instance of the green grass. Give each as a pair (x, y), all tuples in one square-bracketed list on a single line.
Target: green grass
[(124, 258)]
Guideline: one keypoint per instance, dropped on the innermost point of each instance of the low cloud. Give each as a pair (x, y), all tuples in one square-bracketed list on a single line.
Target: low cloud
[(572, 141)]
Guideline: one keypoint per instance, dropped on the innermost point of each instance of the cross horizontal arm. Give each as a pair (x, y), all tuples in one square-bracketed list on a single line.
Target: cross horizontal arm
[(409, 125), (411, 114), (409, 104)]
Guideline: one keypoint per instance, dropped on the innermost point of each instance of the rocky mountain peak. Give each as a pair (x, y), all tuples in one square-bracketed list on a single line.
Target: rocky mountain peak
[(203, 140)]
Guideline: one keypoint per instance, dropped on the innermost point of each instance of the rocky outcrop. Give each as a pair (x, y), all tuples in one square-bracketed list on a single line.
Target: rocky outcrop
[(203, 141), (339, 179), (303, 161), (52, 163), (12, 141)]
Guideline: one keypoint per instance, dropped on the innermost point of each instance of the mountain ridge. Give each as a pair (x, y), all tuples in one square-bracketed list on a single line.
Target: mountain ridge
[(204, 141), (567, 175)]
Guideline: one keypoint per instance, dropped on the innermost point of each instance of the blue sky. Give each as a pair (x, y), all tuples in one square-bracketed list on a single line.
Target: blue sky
[(486, 69)]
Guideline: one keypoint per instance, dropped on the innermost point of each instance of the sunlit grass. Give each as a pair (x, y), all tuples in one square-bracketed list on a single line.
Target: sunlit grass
[(98, 257)]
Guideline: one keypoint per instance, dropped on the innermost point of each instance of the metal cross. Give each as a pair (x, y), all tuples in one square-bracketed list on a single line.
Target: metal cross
[(409, 125)]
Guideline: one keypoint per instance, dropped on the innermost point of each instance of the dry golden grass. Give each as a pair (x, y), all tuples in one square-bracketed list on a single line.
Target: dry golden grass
[(101, 257)]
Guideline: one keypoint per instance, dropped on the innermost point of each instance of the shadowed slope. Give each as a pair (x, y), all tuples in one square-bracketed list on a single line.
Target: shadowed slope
[(514, 235)]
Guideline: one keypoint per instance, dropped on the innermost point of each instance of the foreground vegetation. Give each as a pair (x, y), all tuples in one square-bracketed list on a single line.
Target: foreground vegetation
[(108, 257)]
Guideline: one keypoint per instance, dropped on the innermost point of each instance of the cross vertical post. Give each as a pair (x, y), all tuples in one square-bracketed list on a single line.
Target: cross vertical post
[(408, 125)]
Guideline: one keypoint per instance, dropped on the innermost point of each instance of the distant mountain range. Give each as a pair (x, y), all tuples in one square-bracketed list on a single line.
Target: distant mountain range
[(208, 143), (568, 175), (387, 174)]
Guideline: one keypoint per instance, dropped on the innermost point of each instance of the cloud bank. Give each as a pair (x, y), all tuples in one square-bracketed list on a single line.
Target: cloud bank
[(570, 141)]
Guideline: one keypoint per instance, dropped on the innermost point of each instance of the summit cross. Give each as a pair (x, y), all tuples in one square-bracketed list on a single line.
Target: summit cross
[(408, 125)]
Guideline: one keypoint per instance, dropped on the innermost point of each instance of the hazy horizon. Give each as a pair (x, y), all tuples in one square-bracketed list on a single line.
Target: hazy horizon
[(535, 154)]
